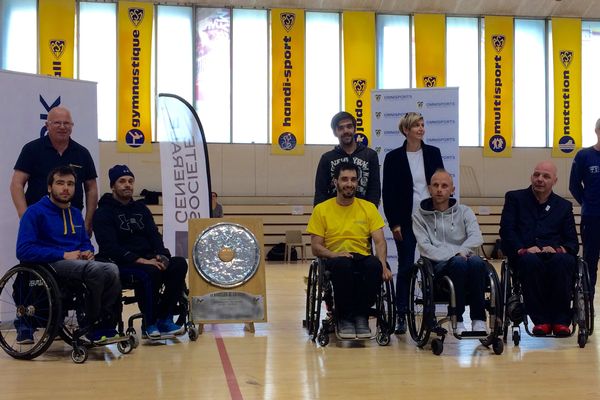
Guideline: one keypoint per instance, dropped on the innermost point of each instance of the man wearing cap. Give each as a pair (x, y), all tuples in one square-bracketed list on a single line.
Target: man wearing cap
[(343, 125), (127, 235)]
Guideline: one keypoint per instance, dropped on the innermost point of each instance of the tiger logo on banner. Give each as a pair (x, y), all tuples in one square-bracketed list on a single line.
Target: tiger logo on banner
[(566, 56), (359, 86), (498, 42), (429, 81), (57, 47), (287, 20), (136, 15)]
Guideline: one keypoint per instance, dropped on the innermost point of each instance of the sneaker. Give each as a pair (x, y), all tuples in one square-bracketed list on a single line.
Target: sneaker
[(478, 326), (542, 329), (460, 328), (361, 324), (152, 331), (168, 327), (561, 330), (25, 336), (345, 329), (400, 328)]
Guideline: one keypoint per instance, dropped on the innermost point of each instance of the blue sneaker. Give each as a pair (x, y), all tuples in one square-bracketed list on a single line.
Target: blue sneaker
[(168, 327), (152, 331), (25, 336)]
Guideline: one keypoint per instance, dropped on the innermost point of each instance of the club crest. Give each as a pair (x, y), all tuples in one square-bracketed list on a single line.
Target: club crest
[(429, 81), (359, 86), (287, 20), (566, 56), (57, 47), (377, 97), (498, 42), (136, 15)]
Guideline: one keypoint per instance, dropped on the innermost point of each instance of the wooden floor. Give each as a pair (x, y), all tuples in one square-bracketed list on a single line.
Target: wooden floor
[(278, 361)]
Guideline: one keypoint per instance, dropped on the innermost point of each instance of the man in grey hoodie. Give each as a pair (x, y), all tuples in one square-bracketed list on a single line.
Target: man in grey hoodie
[(447, 234)]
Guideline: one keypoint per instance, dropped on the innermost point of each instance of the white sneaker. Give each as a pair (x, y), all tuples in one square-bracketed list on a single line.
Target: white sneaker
[(479, 326), (460, 328)]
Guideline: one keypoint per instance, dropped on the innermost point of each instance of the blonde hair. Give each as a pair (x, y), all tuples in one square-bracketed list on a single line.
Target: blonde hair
[(409, 120)]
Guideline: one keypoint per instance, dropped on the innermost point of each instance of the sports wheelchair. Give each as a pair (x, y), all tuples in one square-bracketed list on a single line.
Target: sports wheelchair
[(428, 290), (320, 289), (32, 300), (582, 306)]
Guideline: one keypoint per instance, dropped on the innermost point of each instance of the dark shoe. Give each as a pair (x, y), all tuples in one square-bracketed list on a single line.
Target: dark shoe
[(400, 328), (561, 330), (345, 329), (542, 329), (25, 336), (362, 327)]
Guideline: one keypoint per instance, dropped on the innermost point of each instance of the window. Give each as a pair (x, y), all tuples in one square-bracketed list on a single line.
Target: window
[(18, 35), (393, 50)]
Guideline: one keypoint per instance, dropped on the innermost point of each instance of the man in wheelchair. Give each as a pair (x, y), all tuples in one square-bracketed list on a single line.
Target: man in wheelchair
[(126, 234), (447, 234), (539, 238), (52, 231), (341, 229)]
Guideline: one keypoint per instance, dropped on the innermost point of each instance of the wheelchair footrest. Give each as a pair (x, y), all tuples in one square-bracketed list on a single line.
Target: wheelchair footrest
[(111, 340), (474, 334)]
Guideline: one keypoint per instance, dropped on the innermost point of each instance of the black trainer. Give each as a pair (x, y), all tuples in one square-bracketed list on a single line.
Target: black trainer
[(362, 327), (400, 328)]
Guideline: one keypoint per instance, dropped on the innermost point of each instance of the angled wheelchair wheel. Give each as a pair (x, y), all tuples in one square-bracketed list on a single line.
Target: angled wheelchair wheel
[(386, 308), (582, 304), (494, 302), (30, 309), (587, 288), (506, 292), (420, 306), (311, 285)]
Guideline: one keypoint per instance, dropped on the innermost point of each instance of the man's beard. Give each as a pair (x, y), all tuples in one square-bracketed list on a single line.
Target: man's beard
[(58, 199)]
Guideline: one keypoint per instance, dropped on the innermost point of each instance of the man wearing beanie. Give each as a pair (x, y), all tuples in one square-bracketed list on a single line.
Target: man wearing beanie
[(343, 125), (127, 235)]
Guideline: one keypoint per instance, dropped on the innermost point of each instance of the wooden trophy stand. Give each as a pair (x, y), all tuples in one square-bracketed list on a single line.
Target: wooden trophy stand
[(201, 288)]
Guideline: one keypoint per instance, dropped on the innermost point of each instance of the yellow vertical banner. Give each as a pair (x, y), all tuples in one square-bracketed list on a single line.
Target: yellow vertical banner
[(566, 57), (56, 22), (498, 65), (430, 50), (134, 38), (359, 69), (287, 106)]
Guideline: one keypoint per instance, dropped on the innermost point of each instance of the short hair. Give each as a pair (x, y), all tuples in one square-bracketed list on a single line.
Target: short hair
[(408, 121), (63, 170), (341, 116), (344, 166), (214, 193), (598, 124), (443, 171)]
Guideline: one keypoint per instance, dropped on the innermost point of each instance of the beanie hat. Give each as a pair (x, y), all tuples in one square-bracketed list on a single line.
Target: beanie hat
[(118, 171)]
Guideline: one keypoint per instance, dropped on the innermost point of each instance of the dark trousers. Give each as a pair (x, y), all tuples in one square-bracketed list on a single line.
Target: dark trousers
[(468, 275), (406, 261), (356, 282), (547, 281), (148, 281), (590, 236)]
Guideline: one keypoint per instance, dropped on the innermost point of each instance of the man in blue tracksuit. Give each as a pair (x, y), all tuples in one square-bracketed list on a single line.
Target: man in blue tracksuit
[(584, 185), (52, 231)]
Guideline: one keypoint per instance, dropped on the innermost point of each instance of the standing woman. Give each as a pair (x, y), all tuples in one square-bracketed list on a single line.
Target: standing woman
[(407, 172)]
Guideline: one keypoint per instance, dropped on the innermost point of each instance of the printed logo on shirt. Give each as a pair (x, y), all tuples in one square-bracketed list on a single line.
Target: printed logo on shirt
[(134, 223), (594, 169)]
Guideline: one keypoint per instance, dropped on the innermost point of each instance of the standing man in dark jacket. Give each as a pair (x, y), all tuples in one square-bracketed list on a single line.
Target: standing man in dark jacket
[(127, 235), (539, 238), (343, 125)]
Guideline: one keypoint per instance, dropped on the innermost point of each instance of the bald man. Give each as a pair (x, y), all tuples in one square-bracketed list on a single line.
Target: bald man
[(42, 155), (538, 235)]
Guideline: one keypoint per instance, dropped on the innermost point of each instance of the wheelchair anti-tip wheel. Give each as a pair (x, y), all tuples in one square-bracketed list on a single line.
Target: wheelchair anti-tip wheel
[(437, 346), (193, 333), (79, 354), (125, 346)]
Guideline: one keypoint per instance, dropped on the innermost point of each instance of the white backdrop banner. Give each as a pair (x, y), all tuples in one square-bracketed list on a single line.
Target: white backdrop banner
[(24, 105), (439, 107), (185, 170)]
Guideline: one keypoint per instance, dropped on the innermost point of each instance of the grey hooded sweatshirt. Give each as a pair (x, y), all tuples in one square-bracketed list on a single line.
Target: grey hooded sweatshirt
[(442, 235)]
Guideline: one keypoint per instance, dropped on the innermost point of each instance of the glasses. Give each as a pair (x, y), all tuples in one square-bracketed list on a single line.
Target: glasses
[(58, 124)]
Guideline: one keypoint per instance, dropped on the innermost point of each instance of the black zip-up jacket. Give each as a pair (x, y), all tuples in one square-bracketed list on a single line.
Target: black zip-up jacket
[(365, 158), (126, 232)]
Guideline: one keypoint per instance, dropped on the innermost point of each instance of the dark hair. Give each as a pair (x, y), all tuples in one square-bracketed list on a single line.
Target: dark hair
[(215, 193), (344, 166), (341, 116), (60, 171)]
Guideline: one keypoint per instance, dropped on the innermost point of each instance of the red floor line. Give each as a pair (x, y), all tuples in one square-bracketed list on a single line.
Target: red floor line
[(232, 383)]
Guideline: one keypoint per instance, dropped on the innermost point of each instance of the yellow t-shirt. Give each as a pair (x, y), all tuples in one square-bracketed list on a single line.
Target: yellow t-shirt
[(345, 228)]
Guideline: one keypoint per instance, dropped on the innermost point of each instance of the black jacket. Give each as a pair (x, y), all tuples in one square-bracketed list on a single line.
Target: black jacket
[(526, 223), (365, 158), (126, 232), (398, 183)]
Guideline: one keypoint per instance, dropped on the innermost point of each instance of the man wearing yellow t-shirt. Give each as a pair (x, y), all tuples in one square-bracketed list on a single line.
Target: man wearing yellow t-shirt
[(341, 229)]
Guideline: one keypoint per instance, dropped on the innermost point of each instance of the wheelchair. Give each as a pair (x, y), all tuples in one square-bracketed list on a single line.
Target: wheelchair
[(582, 306), (427, 290), (320, 290), (32, 298), (182, 312)]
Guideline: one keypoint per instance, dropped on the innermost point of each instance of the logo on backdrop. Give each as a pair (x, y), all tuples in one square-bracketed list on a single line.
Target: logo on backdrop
[(419, 104), (287, 141), (566, 56), (566, 144), (136, 15), (134, 138), (57, 47), (377, 97), (359, 86), (362, 139), (429, 81), (377, 114), (497, 143), (498, 42), (287, 20)]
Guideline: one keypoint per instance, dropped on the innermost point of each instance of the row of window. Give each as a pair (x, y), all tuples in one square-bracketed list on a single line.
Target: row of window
[(219, 60)]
